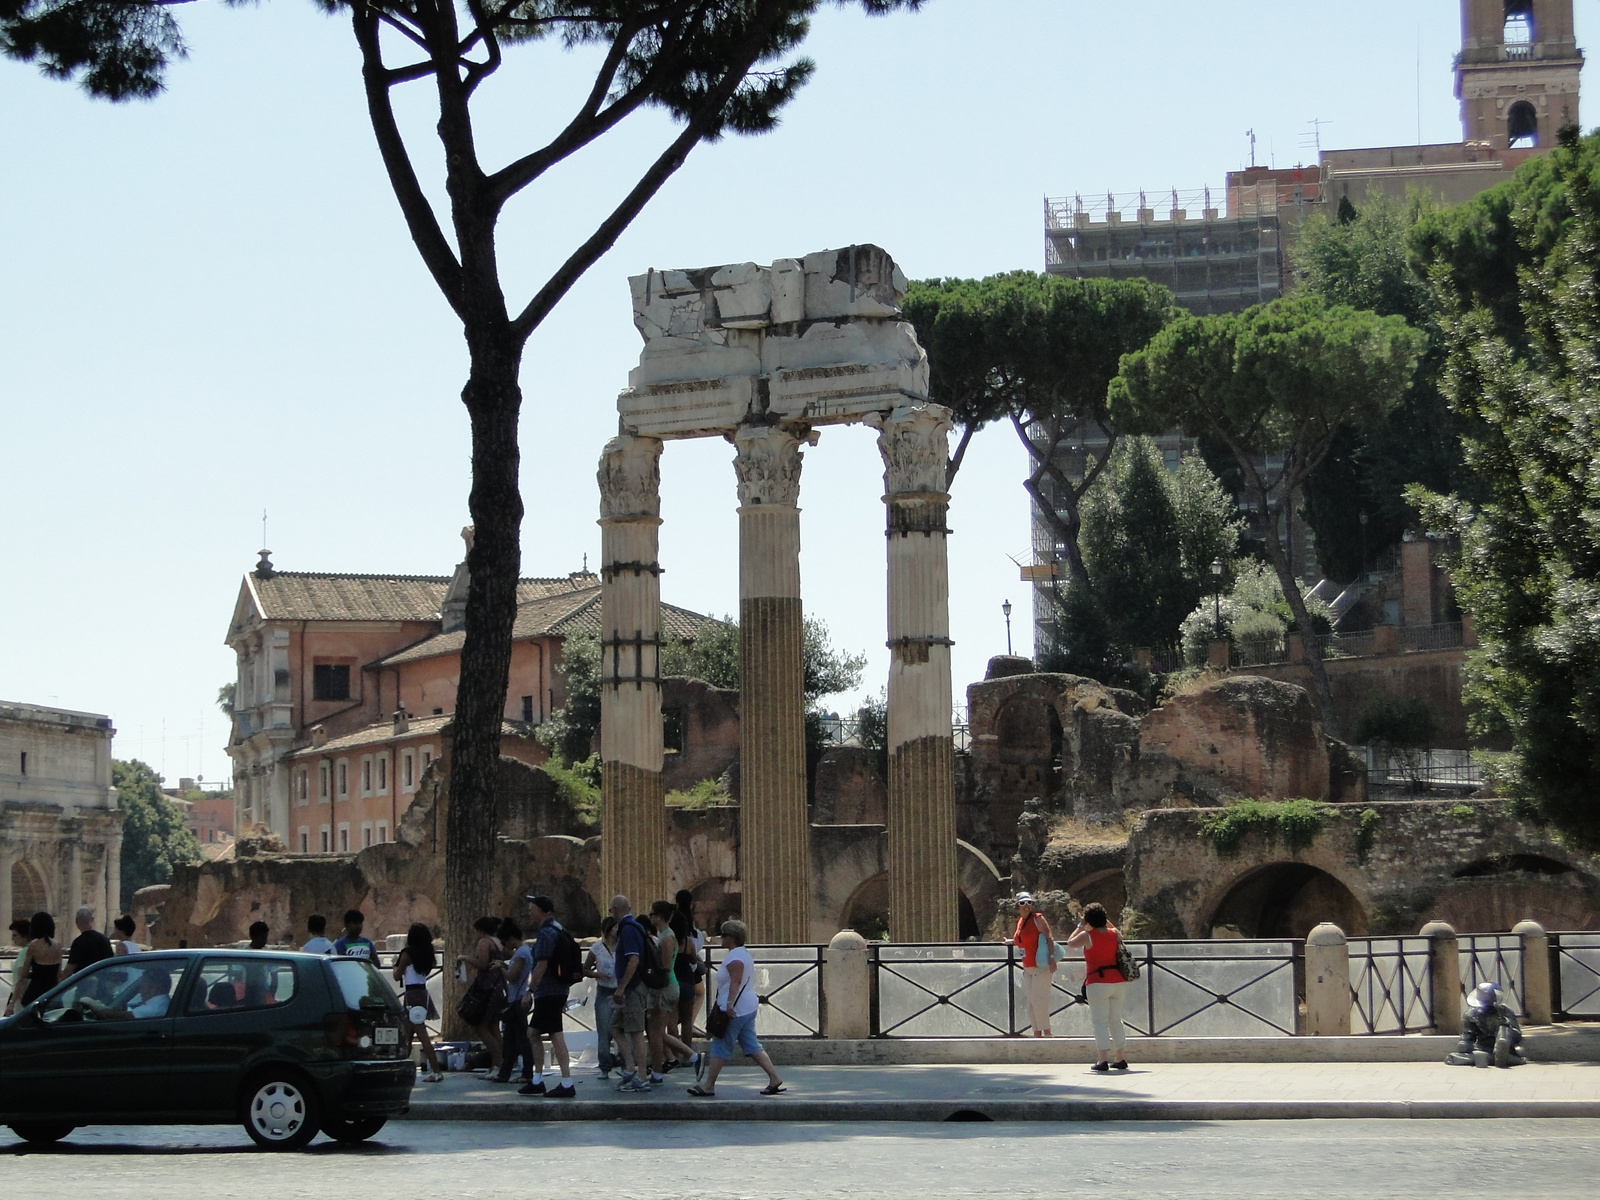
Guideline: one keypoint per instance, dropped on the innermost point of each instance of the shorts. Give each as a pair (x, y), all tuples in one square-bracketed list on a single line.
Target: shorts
[(417, 996), (741, 1034), (665, 999), (628, 1009), (546, 1015)]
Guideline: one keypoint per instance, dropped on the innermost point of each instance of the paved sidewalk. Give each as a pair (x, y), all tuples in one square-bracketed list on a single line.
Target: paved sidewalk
[(1177, 1091)]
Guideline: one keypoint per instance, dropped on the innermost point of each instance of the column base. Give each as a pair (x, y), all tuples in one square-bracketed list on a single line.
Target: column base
[(923, 894), (632, 836)]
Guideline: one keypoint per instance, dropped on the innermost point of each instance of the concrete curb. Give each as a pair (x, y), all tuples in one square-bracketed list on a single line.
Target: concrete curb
[(791, 1108)]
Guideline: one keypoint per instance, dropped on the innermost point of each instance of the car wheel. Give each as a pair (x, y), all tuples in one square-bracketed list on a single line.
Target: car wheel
[(279, 1111), (42, 1133), (353, 1129)]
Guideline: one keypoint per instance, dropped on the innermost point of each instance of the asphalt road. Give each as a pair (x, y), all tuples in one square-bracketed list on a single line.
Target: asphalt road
[(1325, 1159)]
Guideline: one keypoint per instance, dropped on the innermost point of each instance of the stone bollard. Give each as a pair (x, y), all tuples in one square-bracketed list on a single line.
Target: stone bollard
[(1217, 653), (1535, 972), (847, 987), (1327, 982), (1444, 969)]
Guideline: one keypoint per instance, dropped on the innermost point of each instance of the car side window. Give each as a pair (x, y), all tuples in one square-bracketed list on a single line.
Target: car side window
[(237, 984), (116, 990)]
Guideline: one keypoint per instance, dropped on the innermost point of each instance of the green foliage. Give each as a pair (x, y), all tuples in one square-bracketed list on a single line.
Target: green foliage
[(872, 730), (1254, 608), (1366, 832), (116, 49), (705, 794), (225, 699), (1297, 822), (1464, 811), (1523, 364), (1398, 723), (570, 731), (578, 787), (712, 657), (154, 839)]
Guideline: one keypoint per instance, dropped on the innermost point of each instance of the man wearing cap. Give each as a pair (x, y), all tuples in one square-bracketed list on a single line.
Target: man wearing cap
[(1033, 936), (549, 1001)]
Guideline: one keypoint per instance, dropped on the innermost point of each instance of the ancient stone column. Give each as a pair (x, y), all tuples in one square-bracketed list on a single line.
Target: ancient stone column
[(632, 807), (774, 848), (913, 440)]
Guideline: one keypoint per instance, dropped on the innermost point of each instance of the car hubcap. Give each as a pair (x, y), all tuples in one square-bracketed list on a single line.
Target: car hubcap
[(278, 1111)]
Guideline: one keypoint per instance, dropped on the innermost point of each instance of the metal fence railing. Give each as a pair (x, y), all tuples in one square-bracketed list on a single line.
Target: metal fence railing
[(1391, 985), (1575, 974), (1496, 957), (1446, 636)]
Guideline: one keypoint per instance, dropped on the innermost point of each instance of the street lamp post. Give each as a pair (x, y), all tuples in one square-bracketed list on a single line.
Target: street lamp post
[(1005, 607), (1362, 517), (1216, 597)]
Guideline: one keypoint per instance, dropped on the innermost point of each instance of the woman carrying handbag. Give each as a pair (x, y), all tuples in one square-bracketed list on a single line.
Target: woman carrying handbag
[(1039, 957), (1105, 982)]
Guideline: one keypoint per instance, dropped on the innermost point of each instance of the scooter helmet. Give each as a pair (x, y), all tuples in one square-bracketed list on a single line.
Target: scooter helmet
[(1486, 995)]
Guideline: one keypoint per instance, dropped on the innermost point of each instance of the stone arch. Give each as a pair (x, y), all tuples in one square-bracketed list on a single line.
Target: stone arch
[(867, 909), (1107, 888), (981, 889), (1030, 747), (30, 890), (1522, 125), (1286, 899)]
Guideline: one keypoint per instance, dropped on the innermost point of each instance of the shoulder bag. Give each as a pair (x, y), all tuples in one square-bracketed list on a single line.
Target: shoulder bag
[(718, 1019)]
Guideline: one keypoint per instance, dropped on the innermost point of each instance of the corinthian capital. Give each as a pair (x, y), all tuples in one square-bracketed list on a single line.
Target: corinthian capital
[(630, 477), (914, 442), (767, 463)]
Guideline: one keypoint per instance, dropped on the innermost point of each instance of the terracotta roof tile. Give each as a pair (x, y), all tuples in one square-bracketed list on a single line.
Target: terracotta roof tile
[(326, 596)]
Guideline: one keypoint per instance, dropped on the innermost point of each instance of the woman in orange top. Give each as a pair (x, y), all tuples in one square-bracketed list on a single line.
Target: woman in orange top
[(1105, 985), (1033, 935)]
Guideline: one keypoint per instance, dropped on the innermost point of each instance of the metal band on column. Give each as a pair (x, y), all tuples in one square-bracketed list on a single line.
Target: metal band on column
[(774, 832), (923, 905), (632, 806)]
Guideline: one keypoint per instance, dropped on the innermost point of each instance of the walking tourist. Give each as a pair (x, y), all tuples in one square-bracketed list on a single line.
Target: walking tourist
[(663, 1006), (411, 970), (628, 1002), (731, 1018), (691, 967), (600, 966), (44, 958), (90, 946), (1033, 936), (556, 967), (1105, 984), (486, 996), (317, 943), (514, 1018), (19, 965), (352, 944), (123, 943), (258, 935)]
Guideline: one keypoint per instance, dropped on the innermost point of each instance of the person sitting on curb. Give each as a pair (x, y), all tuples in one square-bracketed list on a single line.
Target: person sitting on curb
[(1490, 1031), (737, 998)]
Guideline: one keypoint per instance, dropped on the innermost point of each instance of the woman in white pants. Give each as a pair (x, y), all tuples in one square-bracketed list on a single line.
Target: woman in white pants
[(1033, 935), (1105, 985)]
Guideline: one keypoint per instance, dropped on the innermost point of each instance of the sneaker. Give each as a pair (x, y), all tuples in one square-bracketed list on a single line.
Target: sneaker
[(565, 1092), (432, 1077), (531, 1089), (1101, 1068), (604, 1072), (1120, 1065), (655, 1079), (634, 1085), (669, 1066)]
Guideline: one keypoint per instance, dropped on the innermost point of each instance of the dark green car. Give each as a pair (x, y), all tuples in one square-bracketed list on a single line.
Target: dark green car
[(285, 1044)]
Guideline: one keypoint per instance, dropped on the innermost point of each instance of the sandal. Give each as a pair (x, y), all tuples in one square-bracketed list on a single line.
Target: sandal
[(697, 1090), (772, 1089)]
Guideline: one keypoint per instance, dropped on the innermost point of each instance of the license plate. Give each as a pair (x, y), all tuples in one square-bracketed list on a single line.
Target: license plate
[(386, 1037)]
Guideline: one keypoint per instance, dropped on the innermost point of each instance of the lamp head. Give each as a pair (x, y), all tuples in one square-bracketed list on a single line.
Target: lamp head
[(1005, 607)]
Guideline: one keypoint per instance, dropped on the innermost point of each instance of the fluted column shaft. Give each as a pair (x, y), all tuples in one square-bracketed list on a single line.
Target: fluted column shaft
[(632, 805), (774, 848), (923, 904)]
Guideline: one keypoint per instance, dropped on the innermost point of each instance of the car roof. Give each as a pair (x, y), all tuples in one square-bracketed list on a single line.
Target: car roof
[(213, 951)]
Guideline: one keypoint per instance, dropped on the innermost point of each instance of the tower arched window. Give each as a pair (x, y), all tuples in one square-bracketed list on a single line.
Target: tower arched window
[(1522, 126), (1517, 35)]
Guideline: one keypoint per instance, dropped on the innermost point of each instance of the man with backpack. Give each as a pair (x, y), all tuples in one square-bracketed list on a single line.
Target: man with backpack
[(634, 954), (557, 966)]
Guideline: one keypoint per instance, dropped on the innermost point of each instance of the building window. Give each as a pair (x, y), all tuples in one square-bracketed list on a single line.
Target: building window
[(330, 681), (366, 834), (383, 832), (366, 776), (1522, 126), (325, 846), (382, 763), (344, 780), (527, 710), (24, 762), (427, 756), (305, 839), (408, 778), (322, 782), (344, 838), (304, 789)]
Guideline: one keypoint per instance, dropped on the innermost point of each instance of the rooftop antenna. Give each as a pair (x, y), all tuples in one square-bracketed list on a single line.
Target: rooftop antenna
[(1313, 140), (263, 527), (1251, 134), (1419, 85)]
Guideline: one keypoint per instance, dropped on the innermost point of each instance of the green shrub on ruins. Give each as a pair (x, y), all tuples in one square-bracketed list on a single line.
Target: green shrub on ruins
[(578, 786), (1297, 822), (1366, 832), (705, 794)]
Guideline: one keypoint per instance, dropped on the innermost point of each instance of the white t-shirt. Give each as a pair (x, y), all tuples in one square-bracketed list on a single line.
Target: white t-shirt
[(748, 1000), (317, 945)]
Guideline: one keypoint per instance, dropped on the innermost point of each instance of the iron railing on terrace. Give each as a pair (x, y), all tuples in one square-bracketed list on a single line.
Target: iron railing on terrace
[(1391, 985), (843, 731), (1496, 957), (1575, 975), (1409, 639), (1445, 636)]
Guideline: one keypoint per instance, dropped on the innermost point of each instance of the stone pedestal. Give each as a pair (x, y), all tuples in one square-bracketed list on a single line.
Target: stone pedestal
[(1327, 982), (923, 905), (632, 806), (774, 864), (847, 988), (1536, 997), (1444, 968)]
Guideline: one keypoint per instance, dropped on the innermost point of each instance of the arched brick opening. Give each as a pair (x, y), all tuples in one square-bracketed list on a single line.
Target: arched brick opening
[(1030, 748), (29, 892), (1107, 888), (867, 911), (1286, 899)]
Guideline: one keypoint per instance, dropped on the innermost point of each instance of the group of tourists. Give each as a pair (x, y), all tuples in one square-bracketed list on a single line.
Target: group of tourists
[(1107, 970), (43, 961), (650, 981)]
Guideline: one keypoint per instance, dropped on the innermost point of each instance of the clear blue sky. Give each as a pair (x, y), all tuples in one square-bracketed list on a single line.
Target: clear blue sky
[(209, 305)]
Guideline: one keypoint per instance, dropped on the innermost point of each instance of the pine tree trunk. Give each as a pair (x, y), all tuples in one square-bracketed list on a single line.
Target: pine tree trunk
[(1321, 690), (492, 399)]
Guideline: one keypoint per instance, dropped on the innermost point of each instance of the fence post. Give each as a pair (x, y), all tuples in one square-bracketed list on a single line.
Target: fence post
[(1327, 982), (1535, 971), (1444, 971), (847, 988)]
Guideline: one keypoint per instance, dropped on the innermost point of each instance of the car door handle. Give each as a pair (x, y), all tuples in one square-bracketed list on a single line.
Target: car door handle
[(155, 1035)]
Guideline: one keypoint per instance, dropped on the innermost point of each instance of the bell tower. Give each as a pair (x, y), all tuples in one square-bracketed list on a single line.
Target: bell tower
[(1517, 74)]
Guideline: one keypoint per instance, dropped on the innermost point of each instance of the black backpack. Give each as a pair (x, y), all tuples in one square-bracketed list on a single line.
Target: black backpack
[(566, 964)]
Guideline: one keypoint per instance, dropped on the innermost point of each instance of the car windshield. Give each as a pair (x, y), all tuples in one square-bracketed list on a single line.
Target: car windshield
[(115, 990), (359, 981)]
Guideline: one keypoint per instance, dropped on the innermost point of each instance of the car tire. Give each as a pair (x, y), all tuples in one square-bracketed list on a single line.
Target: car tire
[(279, 1110), (353, 1129), (42, 1133)]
